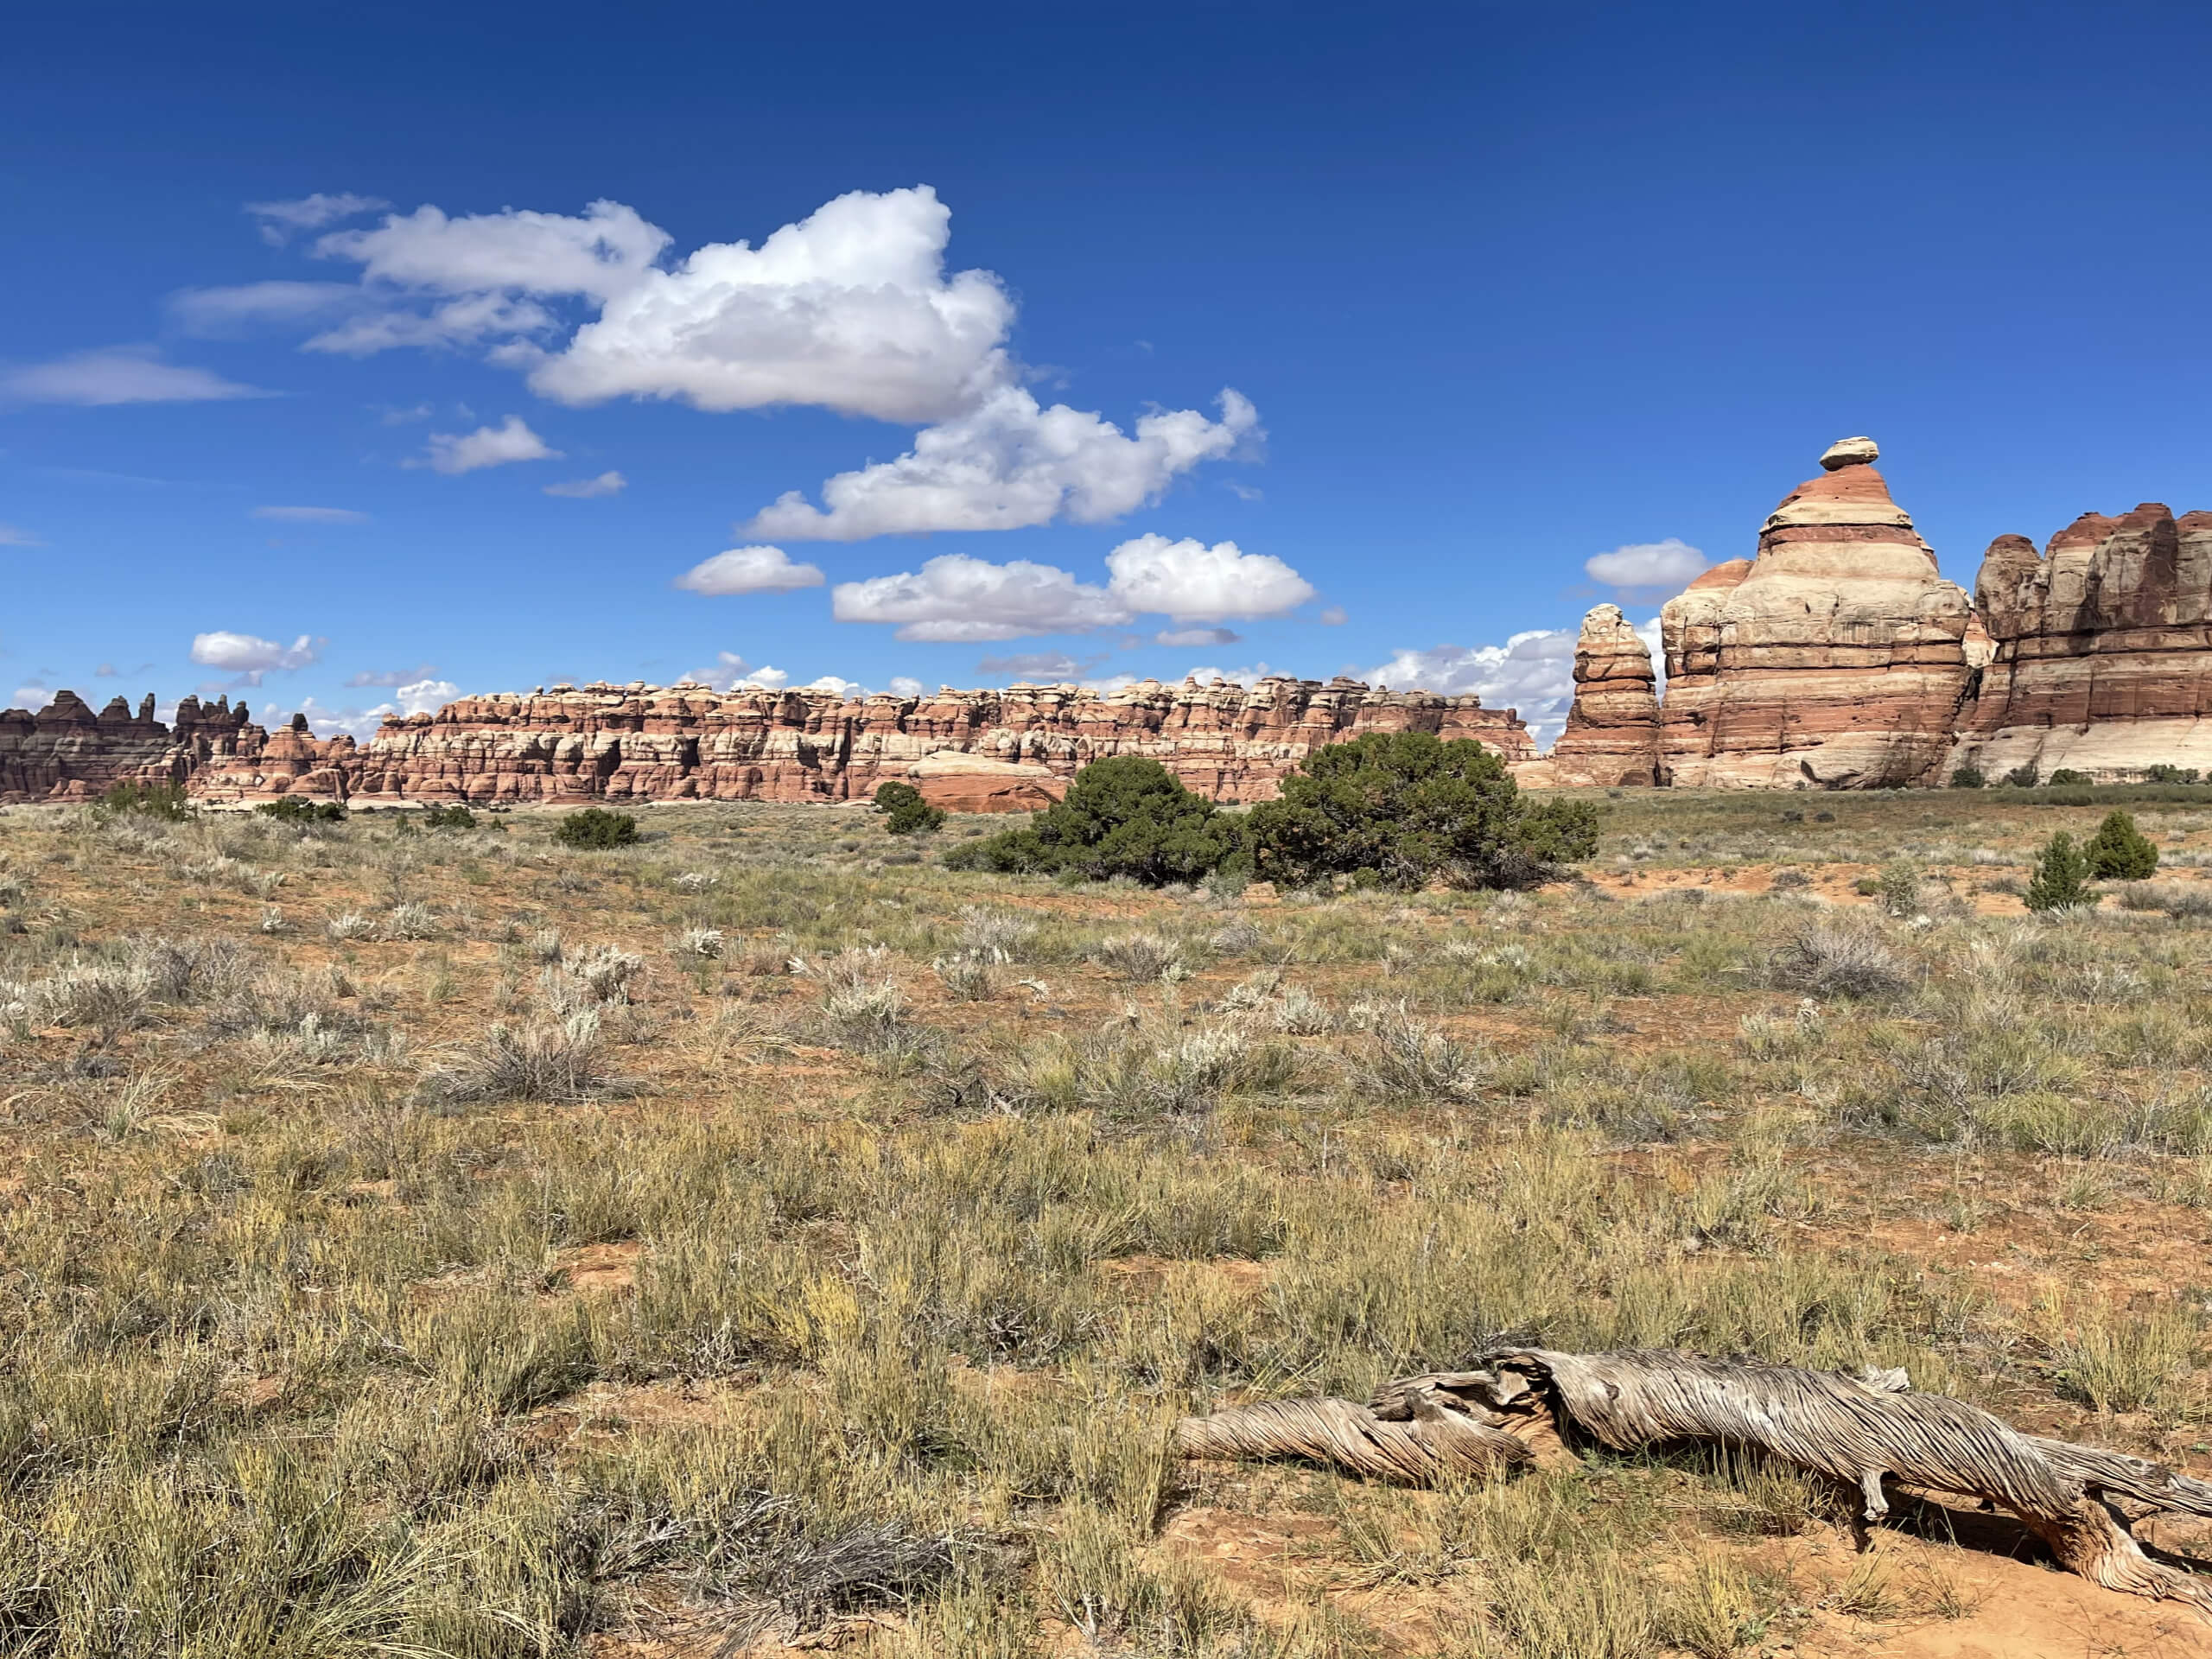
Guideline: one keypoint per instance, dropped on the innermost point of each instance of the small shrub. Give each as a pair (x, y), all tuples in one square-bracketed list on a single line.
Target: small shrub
[(2021, 776), (1827, 961), (410, 921), (1141, 958), (703, 944), (291, 808), (2062, 877), (146, 800), (1898, 889), (2066, 776), (597, 830), (548, 1062), (1967, 778), (694, 881), (1405, 808), (970, 976), (349, 924), (100, 994), (867, 1014), (455, 816), (1235, 938), (1125, 815), (2164, 773), (1408, 1060), (905, 811), (1002, 934), (2119, 851), (598, 981)]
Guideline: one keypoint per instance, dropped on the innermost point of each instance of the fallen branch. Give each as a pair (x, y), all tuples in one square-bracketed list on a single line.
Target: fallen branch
[(1856, 1430)]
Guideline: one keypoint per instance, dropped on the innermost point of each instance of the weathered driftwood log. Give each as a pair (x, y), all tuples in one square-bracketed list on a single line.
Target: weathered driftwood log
[(1858, 1430)]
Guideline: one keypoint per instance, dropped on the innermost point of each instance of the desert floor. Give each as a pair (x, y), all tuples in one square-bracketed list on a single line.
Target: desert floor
[(421, 1241)]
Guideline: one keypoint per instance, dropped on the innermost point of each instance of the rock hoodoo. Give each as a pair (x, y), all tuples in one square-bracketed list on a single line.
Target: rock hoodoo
[(1612, 732), (2103, 648), (1834, 660)]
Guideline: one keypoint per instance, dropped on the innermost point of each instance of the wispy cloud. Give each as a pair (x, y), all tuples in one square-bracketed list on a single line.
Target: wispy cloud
[(312, 515), (582, 489), (282, 221), (119, 374)]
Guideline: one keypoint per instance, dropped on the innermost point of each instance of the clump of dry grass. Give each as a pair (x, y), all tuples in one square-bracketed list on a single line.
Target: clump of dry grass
[(1143, 958), (1838, 960), (548, 1060)]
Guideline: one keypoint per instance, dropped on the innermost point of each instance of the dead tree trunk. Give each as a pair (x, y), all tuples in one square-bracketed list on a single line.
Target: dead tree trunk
[(1859, 1430)]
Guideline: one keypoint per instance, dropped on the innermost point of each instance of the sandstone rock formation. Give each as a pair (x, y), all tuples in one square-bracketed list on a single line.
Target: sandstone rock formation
[(66, 752), (1007, 750), (970, 751), (252, 764), (2103, 648), (1612, 732), (1834, 660)]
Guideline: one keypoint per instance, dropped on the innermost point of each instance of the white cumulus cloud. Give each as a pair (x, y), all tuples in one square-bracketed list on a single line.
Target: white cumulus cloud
[(1532, 672), (1246, 676), (1648, 569), (119, 374), (849, 309), (250, 655), (1192, 582), (453, 453), (312, 515), (730, 670), (1009, 463), (583, 489), (957, 598), (750, 570)]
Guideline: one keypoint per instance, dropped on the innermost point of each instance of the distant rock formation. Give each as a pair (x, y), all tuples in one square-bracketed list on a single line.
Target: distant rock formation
[(1612, 733), (968, 751), (1836, 659), (252, 764), (2103, 648), (1009, 750), (65, 752)]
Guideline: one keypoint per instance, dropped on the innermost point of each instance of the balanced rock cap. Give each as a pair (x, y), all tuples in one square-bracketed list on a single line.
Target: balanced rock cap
[(1851, 451)]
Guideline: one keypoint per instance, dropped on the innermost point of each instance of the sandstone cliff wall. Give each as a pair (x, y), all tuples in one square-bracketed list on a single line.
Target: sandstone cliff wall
[(979, 750), (1835, 658), (2103, 648), (971, 750), (66, 752)]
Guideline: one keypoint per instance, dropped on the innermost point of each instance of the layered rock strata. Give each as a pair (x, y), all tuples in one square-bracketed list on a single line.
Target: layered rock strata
[(66, 752), (2103, 649), (970, 751), (1007, 750), (1612, 732), (1835, 658)]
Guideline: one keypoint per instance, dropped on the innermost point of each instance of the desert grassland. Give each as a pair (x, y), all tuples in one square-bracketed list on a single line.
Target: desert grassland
[(445, 1242)]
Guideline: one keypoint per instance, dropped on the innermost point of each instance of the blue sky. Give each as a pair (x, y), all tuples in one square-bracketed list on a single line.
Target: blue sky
[(1353, 332)]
